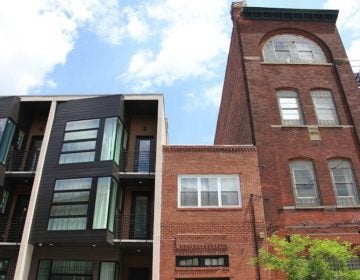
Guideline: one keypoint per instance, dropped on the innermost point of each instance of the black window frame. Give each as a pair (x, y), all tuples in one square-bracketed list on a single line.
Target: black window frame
[(50, 273), (201, 260)]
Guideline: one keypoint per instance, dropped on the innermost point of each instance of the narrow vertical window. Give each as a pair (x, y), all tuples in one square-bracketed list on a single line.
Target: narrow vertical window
[(344, 183), (7, 130), (4, 266), (289, 108), (324, 107), (108, 271), (304, 183), (105, 204), (111, 143)]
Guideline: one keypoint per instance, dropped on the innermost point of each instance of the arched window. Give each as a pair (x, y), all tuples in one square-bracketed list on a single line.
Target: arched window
[(344, 182), (304, 183), (289, 107), (292, 48), (324, 107)]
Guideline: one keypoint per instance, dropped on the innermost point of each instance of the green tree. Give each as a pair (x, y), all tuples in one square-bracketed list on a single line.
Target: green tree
[(303, 258)]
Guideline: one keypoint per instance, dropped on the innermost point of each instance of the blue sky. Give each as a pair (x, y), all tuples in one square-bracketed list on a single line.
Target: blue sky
[(178, 48)]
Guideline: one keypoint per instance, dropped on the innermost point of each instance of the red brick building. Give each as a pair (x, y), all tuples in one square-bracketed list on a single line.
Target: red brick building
[(212, 218), (290, 91)]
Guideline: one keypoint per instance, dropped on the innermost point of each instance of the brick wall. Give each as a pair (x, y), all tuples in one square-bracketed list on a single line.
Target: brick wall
[(206, 231)]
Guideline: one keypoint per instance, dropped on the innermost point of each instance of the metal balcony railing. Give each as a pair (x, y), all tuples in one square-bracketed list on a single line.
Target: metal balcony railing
[(11, 231), (140, 162), (22, 160), (135, 227)]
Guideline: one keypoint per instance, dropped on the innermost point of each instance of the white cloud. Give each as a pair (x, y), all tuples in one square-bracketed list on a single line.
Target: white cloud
[(348, 20), (192, 40), (201, 100), (37, 35), (354, 55), (349, 13)]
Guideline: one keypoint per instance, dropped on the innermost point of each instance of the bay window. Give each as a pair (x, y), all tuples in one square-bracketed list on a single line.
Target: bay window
[(71, 204)]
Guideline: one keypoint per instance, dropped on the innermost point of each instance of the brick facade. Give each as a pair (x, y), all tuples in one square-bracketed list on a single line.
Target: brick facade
[(249, 96), (211, 231)]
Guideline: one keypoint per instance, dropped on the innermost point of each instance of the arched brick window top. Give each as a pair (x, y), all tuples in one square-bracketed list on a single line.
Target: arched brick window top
[(292, 48)]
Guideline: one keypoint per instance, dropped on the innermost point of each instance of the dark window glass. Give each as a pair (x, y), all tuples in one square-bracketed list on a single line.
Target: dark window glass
[(202, 261)]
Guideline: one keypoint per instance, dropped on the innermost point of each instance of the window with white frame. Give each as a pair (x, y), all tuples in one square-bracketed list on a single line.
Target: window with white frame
[(324, 107), (289, 107), (209, 191), (344, 183), (292, 48), (304, 183)]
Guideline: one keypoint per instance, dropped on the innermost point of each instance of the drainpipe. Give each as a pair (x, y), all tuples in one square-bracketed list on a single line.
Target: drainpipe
[(256, 244)]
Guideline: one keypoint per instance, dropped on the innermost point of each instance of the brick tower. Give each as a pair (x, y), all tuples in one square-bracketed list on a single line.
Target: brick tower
[(290, 91)]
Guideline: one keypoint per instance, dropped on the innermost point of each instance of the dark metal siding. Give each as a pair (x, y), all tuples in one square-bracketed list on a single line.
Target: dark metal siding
[(98, 107)]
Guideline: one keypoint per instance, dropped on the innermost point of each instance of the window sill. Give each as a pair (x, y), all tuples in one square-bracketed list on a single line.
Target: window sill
[(310, 125), (296, 63), (325, 207), (209, 208)]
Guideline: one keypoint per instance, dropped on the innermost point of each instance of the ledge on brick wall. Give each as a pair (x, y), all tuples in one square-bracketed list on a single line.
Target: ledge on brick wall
[(295, 63), (310, 125), (325, 207), (210, 148)]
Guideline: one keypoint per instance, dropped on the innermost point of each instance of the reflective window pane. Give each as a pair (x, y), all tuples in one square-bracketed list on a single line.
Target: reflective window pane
[(78, 146), (79, 135), (73, 184), (84, 124)]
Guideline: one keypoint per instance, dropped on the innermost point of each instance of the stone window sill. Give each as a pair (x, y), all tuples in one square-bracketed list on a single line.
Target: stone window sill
[(307, 126), (325, 207)]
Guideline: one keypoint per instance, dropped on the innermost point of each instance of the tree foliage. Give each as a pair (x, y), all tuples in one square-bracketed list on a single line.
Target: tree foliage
[(303, 258)]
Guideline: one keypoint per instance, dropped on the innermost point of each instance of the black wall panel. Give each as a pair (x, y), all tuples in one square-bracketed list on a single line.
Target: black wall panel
[(98, 107)]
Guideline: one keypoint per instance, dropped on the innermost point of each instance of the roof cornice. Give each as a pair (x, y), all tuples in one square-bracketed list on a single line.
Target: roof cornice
[(261, 13), (209, 148)]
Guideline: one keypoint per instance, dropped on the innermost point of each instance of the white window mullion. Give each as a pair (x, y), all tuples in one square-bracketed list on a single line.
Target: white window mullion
[(219, 191), (199, 191)]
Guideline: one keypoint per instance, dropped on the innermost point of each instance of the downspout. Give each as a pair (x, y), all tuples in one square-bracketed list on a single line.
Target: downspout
[(256, 244)]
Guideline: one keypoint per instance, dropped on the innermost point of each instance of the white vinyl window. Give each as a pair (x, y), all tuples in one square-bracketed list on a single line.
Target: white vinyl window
[(292, 48), (304, 183), (324, 107), (344, 183), (289, 108), (209, 191)]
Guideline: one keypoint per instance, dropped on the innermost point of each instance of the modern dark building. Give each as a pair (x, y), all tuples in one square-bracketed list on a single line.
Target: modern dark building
[(79, 186)]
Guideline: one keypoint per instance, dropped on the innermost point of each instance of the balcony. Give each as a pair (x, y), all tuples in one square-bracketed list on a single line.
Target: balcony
[(25, 161), (137, 162), (133, 227), (11, 231)]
